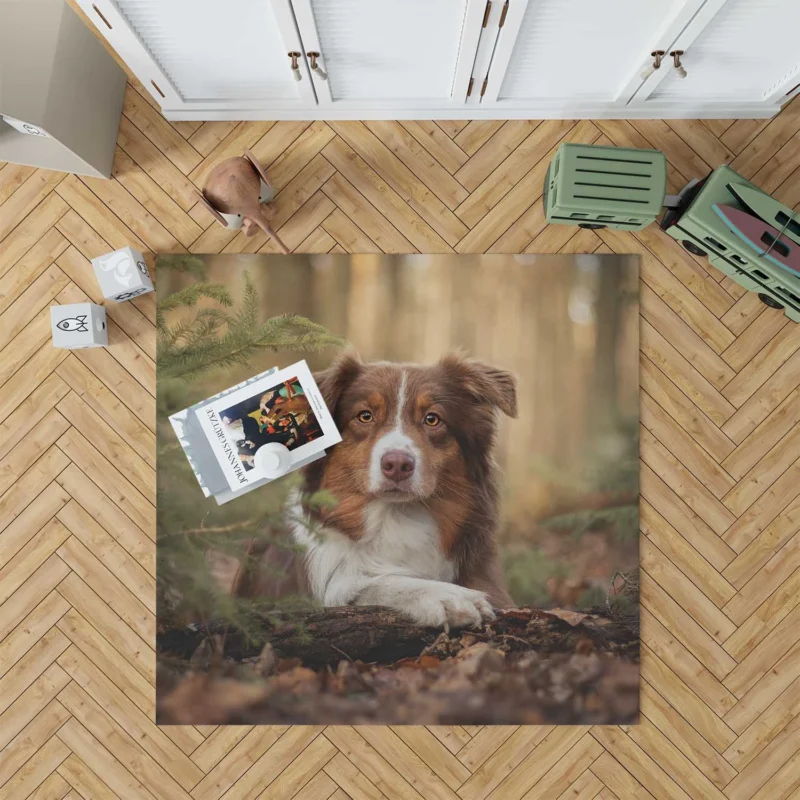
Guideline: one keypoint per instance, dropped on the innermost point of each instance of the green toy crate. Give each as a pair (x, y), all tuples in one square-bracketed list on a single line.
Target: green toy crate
[(702, 232), (605, 187)]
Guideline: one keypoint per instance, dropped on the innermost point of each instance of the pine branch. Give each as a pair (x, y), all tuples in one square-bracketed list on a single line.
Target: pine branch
[(188, 297), (184, 262), (201, 355), (219, 334), (193, 347)]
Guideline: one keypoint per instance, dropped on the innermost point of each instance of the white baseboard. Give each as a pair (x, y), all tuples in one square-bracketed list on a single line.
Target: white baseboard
[(650, 111)]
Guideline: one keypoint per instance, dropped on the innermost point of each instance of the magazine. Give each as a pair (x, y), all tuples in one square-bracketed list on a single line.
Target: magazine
[(222, 435)]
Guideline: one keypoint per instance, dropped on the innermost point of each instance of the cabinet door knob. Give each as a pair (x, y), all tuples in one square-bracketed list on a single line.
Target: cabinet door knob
[(296, 74), (676, 57), (657, 56), (313, 56)]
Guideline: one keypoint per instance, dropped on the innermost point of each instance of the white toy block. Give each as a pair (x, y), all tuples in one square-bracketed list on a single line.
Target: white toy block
[(122, 275), (78, 325)]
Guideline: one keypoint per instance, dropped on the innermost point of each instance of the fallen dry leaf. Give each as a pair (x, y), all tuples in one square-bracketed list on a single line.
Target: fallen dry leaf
[(570, 617), (202, 700), (423, 662)]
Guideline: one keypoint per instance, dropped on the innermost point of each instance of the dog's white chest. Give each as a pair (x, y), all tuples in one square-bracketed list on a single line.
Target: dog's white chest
[(403, 539), (399, 539)]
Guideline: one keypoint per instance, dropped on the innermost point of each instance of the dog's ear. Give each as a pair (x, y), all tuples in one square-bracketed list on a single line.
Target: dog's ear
[(333, 381), (483, 382)]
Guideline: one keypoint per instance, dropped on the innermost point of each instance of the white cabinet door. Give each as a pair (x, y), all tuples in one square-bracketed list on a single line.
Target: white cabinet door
[(744, 51), (579, 54), (208, 54), (391, 54)]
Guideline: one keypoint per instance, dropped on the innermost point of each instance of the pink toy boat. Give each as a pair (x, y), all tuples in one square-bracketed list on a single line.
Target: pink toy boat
[(763, 238)]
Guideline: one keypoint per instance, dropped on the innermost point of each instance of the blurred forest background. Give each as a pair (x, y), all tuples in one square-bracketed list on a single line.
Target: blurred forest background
[(566, 326)]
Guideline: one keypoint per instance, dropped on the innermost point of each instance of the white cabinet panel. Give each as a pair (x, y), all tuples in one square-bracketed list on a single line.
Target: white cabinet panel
[(748, 51), (581, 50), (214, 52), (388, 53), (206, 53)]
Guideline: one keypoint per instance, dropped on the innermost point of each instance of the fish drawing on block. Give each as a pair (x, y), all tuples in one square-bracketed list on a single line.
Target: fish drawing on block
[(763, 238), (77, 324)]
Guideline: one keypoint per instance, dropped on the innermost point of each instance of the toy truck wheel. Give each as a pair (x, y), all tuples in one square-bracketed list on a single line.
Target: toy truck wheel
[(693, 248), (769, 301), (592, 226)]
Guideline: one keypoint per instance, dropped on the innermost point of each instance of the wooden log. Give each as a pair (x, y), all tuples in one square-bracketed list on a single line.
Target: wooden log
[(374, 634)]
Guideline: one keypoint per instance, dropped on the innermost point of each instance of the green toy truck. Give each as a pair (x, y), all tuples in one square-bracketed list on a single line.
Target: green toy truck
[(622, 188), (695, 224), (605, 187)]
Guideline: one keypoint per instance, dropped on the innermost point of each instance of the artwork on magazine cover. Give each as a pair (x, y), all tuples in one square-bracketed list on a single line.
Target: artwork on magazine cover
[(285, 407)]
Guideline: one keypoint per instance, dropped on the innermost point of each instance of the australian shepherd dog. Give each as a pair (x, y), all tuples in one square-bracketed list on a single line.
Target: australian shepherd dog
[(415, 523)]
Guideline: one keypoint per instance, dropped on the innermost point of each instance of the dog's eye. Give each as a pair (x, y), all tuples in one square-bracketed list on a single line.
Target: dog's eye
[(364, 416), (432, 420)]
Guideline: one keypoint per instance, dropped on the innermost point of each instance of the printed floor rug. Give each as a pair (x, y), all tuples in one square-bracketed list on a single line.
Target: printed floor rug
[(398, 489)]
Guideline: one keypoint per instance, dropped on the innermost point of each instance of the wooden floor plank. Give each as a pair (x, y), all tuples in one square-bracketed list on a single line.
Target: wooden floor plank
[(438, 144), (682, 555), (683, 447), (390, 169), (20, 204), (349, 200), (119, 742), (12, 176), (639, 763), (30, 267), (764, 693), (419, 161), (685, 738), (685, 413), (293, 158), (681, 589), (159, 131), (30, 231), (668, 656), (121, 636), (358, 172)]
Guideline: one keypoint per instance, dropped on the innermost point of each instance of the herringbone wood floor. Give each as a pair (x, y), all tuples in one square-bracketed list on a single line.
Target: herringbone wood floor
[(720, 486)]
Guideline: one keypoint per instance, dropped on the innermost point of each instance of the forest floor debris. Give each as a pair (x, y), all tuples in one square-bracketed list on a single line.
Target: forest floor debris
[(526, 667)]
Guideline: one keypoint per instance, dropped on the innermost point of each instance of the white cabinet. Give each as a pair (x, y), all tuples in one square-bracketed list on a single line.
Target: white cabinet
[(734, 58), (389, 55), (734, 51), (574, 53), (432, 59), (208, 56)]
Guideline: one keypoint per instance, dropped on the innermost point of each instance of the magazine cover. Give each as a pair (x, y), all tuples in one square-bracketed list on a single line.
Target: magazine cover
[(456, 541), (198, 449), (284, 407)]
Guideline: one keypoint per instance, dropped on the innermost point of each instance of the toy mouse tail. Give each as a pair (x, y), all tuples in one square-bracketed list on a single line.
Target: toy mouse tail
[(270, 231)]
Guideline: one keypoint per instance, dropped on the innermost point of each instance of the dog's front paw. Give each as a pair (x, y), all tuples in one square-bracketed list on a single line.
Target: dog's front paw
[(449, 605)]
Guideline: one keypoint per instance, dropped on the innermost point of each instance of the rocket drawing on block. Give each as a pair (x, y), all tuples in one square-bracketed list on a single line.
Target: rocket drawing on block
[(73, 324), (78, 325)]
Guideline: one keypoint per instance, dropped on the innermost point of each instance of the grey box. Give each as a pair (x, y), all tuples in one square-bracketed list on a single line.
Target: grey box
[(122, 275), (56, 75), (78, 325)]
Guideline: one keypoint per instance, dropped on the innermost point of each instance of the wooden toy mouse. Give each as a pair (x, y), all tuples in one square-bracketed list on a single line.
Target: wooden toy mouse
[(235, 193)]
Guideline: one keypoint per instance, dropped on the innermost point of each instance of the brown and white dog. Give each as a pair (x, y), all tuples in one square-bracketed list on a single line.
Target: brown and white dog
[(416, 486)]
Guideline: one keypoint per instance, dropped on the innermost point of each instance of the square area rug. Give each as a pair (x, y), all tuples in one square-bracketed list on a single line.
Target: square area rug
[(398, 489)]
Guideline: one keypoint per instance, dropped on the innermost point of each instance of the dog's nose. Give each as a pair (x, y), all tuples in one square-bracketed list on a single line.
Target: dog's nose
[(397, 465)]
